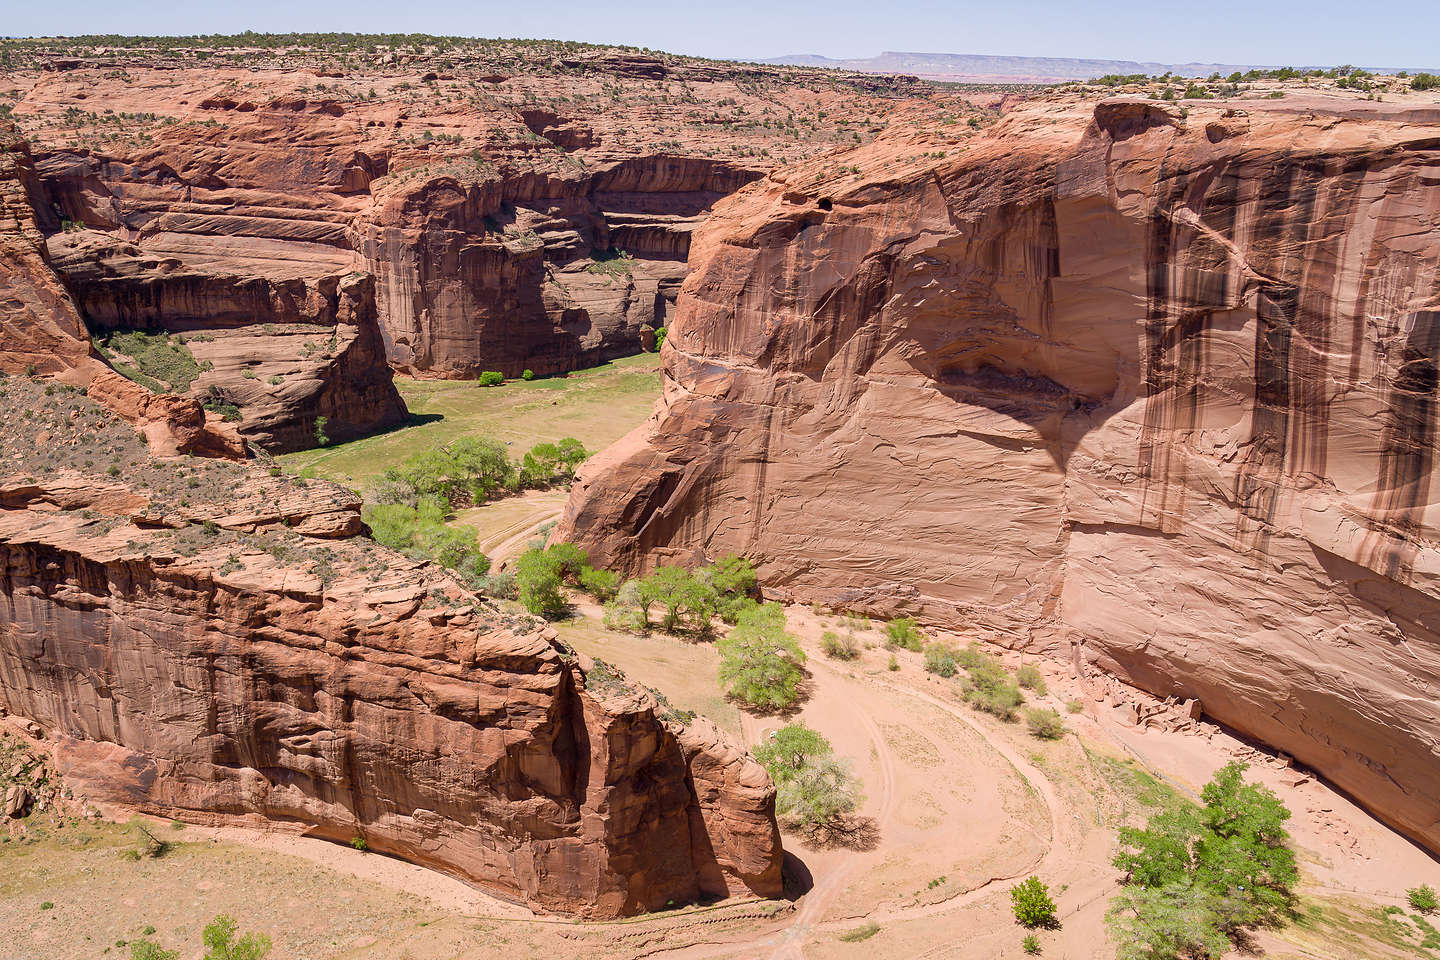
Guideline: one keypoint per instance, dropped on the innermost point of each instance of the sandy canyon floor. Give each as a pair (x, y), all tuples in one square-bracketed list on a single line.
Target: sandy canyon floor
[(958, 805)]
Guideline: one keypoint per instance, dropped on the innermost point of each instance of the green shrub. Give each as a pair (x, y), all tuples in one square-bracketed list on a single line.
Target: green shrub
[(1424, 81), (861, 933), (600, 584), (760, 664), (1028, 676), (321, 437), (1423, 897), (150, 950), (221, 944), (659, 338), (527, 374), (1031, 944), (1074, 706), (940, 659), (359, 843), (421, 531), (838, 647), (1030, 902), (893, 664), (1197, 876), (904, 633), (491, 378), (812, 788), (991, 690), (1045, 724)]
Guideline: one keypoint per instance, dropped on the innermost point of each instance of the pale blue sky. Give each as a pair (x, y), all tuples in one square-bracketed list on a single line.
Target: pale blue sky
[(1323, 32)]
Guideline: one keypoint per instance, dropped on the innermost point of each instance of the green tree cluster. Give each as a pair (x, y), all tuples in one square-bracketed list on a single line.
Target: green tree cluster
[(1197, 876), (222, 940), (421, 531), (813, 789), (687, 601)]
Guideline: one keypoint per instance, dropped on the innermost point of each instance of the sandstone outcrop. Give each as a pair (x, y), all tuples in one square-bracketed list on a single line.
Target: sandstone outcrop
[(535, 217), (41, 332), (210, 645), (1157, 384)]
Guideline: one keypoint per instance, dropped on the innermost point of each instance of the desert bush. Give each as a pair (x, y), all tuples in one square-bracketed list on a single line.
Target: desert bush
[(321, 437), (1031, 944), (1045, 724), (1423, 898), (1198, 876), (221, 943), (760, 664), (1030, 902), (904, 633), (1424, 81), (491, 378), (940, 659), (812, 788), (839, 647), (1028, 676), (861, 933), (990, 689), (527, 374), (893, 664), (600, 584), (144, 949), (1074, 706)]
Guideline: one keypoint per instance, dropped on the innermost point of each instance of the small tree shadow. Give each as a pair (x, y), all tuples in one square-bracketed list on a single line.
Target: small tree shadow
[(845, 831)]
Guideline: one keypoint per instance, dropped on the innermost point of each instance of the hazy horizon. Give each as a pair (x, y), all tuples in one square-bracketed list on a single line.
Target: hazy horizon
[(1324, 32)]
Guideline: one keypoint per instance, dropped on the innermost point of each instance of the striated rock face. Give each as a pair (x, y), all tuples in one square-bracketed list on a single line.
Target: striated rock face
[(1149, 388), (285, 332), (511, 274), (41, 331), (214, 645)]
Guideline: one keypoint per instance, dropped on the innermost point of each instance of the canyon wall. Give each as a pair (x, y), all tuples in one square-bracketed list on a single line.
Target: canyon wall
[(215, 644), (534, 219), (1146, 387)]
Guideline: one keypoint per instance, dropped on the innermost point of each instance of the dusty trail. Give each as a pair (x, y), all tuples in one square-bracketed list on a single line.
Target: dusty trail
[(788, 943)]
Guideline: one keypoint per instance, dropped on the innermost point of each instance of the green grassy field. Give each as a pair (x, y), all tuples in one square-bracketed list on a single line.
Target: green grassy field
[(596, 406)]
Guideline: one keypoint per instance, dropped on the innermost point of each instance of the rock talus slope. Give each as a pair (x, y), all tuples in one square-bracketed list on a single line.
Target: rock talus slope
[(1152, 388)]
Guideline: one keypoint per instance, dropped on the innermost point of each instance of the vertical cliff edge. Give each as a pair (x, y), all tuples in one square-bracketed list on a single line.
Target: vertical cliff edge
[(1147, 386)]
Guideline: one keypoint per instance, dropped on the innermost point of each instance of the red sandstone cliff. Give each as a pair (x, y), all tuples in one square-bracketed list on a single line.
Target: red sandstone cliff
[(202, 642), (1157, 385)]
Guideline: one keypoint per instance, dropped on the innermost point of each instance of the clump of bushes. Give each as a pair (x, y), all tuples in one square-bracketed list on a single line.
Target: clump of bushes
[(1424, 81), (159, 362), (762, 665), (1028, 676), (989, 686), (940, 659), (1045, 724), (1423, 897), (904, 633), (1197, 877), (839, 646), (491, 378), (472, 470), (813, 789), (421, 531)]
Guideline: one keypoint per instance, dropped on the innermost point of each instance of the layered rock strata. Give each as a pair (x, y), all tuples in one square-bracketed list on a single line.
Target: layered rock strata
[(1150, 387), (215, 645)]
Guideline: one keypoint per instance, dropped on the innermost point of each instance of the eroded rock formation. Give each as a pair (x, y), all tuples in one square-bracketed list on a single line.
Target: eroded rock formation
[(211, 644), (536, 218), (1149, 387)]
